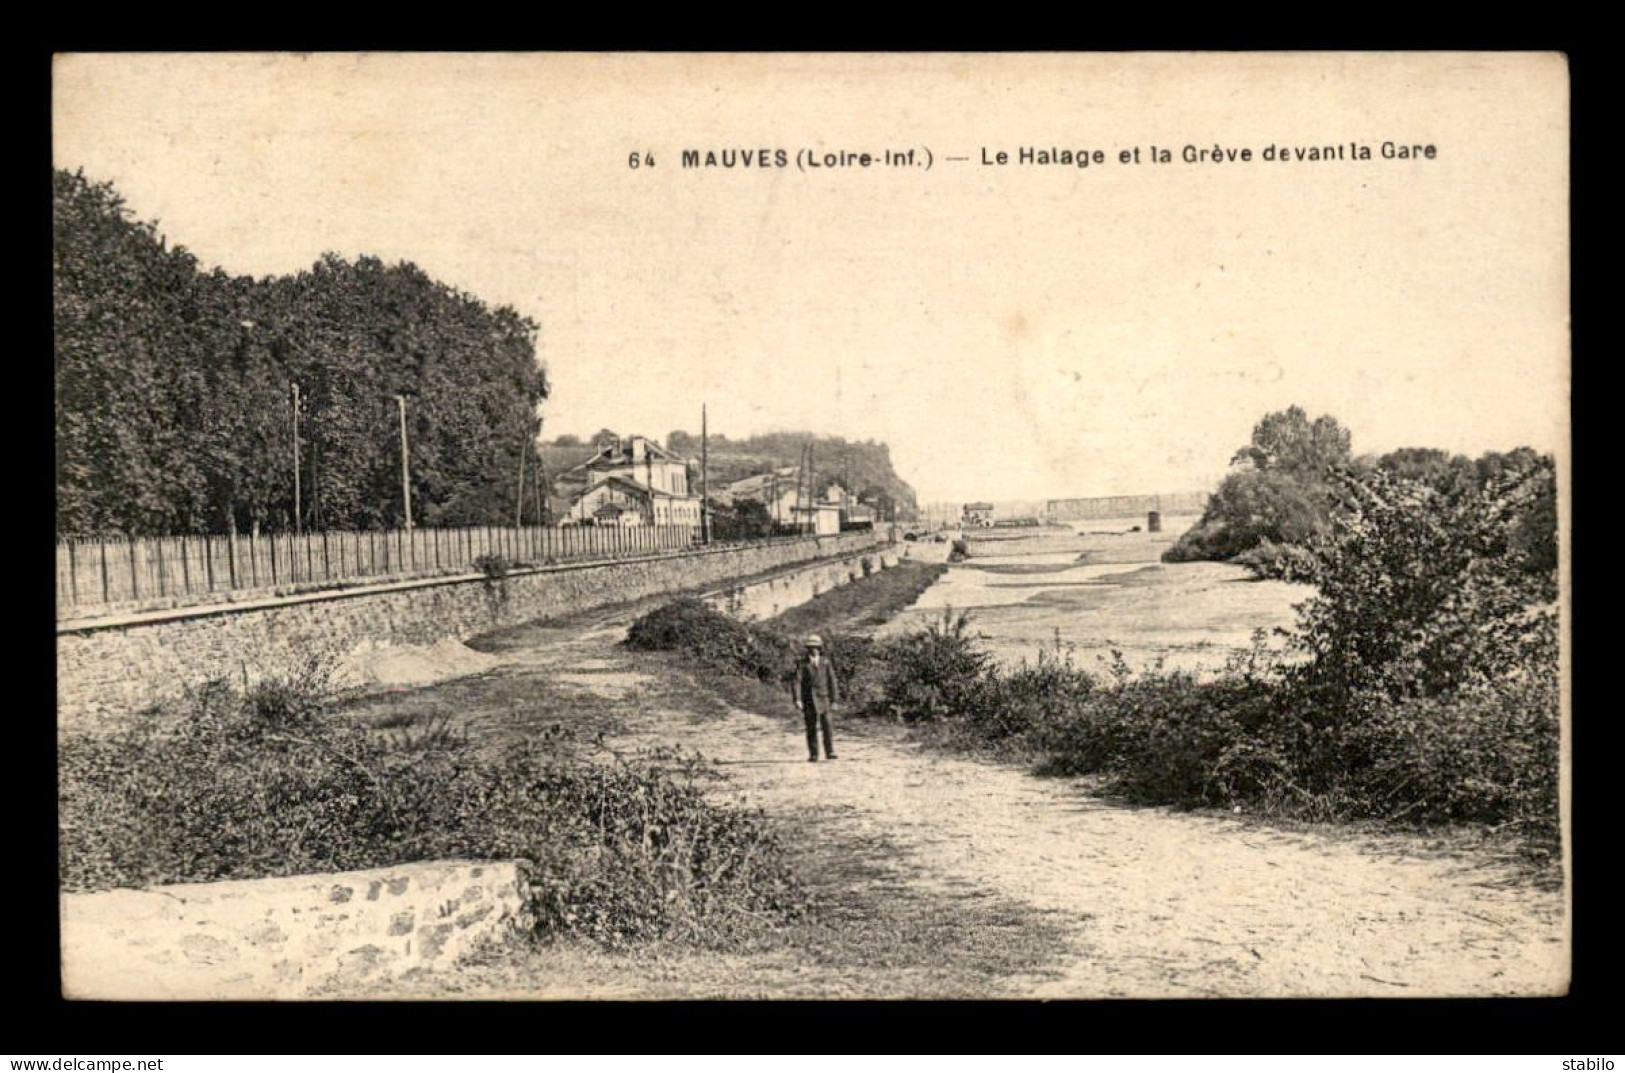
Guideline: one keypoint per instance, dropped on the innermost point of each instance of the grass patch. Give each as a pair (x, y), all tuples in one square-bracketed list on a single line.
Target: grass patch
[(500, 710), (241, 785), (862, 605), (870, 933), (766, 652)]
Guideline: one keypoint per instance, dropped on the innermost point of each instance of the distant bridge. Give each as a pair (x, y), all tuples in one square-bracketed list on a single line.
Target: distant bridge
[(1080, 510)]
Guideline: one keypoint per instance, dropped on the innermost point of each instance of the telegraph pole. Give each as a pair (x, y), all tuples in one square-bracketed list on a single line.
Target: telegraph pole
[(537, 479), (298, 522), (849, 495), (801, 471), (804, 480), (316, 483), (812, 494), (519, 498), (705, 479), (406, 482)]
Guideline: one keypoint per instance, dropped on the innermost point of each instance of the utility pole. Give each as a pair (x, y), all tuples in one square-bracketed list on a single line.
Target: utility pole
[(812, 488), (406, 482), (812, 494), (519, 498), (804, 480), (849, 495), (705, 479), (540, 482), (298, 523), (316, 482), (801, 471)]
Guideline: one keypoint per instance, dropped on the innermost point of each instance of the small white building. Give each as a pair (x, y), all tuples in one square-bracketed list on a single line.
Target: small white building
[(779, 491), (852, 512), (976, 514), (824, 519)]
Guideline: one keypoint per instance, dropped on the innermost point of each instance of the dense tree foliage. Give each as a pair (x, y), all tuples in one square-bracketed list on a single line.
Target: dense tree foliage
[(1280, 499), (1288, 441), (1279, 490), (1421, 591), (746, 520), (174, 387), (1531, 536)]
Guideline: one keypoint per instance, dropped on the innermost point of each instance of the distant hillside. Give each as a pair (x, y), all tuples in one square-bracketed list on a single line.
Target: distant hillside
[(556, 458), (863, 467)]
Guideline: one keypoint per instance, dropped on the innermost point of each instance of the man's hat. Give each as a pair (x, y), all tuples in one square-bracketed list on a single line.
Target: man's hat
[(815, 641)]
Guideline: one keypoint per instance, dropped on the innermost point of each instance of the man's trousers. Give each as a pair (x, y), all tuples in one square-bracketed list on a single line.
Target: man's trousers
[(815, 719)]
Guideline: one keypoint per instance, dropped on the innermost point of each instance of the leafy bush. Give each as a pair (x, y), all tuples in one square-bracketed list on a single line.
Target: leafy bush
[(733, 647), (1033, 702), (1487, 753), (268, 784), (1259, 740), (1281, 495), (1191, 547), (1419, 593), (715, 640), (494, 567), (293, 698), (1171, 738), (1279, 562), (1285, 506), (932, 673)]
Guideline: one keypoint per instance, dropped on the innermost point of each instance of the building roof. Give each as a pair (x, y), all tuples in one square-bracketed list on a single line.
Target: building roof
[(621, 454), (584, 477), (630, 486), (635, 487), (978, 506), (557, 460), (759, 486)]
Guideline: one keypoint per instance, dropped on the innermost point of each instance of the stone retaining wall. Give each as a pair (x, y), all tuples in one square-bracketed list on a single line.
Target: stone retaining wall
[(110, 668), (769, 596)]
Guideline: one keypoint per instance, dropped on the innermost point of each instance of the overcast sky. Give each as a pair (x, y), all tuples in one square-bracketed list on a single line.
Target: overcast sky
[(1012, 332)]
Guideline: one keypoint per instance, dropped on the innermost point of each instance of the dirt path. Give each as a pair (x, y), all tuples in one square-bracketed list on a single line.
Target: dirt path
[(1157, 903)]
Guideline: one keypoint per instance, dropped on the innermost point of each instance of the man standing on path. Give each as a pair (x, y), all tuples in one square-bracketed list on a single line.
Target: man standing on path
[(816, 693)]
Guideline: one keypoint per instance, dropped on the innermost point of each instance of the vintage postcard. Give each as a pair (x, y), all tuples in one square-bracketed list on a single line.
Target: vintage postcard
[(905, 525)]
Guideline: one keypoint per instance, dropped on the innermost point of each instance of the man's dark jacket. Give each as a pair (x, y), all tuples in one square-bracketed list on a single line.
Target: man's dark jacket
[(816, 687)]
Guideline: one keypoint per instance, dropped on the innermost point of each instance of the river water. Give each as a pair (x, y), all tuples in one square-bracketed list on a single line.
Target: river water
[(1097, 587)]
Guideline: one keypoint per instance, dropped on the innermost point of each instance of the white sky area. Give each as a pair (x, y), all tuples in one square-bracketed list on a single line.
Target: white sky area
[(1012, 333)]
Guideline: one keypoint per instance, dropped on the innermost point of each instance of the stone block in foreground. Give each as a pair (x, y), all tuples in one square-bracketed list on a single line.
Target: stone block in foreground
[(285, 938)]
